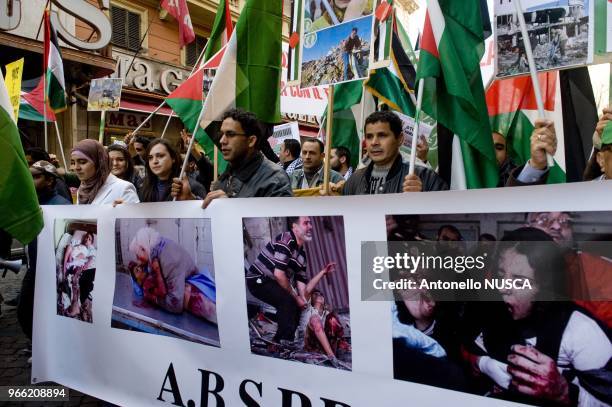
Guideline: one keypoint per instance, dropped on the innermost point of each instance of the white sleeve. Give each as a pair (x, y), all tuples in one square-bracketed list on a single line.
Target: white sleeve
[(584, 346), (129, 194)]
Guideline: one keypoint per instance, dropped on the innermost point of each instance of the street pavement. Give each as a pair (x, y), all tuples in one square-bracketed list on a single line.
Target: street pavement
[(14, 350)]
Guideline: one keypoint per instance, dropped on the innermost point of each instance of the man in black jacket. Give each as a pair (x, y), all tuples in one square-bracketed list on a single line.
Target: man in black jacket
[(386, 173), (249, 174)]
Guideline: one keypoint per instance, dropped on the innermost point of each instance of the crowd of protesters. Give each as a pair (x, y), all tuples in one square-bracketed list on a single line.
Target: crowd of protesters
[(140, 169)]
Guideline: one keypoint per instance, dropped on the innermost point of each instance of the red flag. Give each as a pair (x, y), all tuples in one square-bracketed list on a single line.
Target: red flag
[(178, 9)]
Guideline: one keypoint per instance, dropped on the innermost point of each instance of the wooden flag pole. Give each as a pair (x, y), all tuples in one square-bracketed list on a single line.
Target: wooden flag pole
[(532, 68), (148, 118), (102, 124), (328, 139), (415, 129), (59, 140)]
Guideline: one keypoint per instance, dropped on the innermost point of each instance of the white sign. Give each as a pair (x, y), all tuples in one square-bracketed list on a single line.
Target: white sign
[(155, 362), (282, 133)]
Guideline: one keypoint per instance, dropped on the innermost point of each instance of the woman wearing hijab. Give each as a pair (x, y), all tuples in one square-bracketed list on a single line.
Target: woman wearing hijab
[(164, 164), (98, 185), (122, 165)]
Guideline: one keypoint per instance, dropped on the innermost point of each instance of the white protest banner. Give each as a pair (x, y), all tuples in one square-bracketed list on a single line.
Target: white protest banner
[(281, 133), (104, 94), (176, 311), (561, 35)]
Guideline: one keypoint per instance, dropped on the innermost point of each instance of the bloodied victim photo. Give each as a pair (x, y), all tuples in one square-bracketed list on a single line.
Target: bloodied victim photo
[(297, 289), (75, 259), (165, 279)]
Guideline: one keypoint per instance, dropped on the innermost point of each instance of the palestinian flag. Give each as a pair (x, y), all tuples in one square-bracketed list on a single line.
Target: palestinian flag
[(32, 100), (452, 46), (383, 26), (53, 68), (21, 215), (221, 31), (349, 102), (406, 43), (512, 110), (250, 72), (393, 85), (187, 102)]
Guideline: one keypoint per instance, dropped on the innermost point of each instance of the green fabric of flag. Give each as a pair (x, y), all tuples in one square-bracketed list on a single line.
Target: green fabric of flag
[(258, 58), (21, 214), (451, 49)]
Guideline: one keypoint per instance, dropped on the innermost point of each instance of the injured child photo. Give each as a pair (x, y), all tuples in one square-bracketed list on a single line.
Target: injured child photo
[(165, 279), (75, 256), (297, 289)]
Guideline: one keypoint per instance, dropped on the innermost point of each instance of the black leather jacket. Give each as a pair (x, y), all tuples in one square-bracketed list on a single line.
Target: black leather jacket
[(358, 183), (257, 177)]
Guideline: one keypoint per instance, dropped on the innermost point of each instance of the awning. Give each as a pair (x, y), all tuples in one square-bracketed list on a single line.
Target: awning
[(144, 107)]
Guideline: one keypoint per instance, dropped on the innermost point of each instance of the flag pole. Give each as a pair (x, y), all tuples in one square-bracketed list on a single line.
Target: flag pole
[(45, 110), (190, 147), (360, 129), (200, 57), (216, 164), (415, 129), (328, 139), (148, 118), (59, 140), (102, 123), (532, 69)]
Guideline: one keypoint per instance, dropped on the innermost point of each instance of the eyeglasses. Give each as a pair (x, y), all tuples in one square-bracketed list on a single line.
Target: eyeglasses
[(545, 220), (230, 134)]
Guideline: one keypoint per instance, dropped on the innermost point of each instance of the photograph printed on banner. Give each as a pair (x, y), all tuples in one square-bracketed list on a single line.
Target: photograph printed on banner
[(319, 14), (165, 279), (558, 33), (297, 289), (76, 247), (337, 54), (546, 345)]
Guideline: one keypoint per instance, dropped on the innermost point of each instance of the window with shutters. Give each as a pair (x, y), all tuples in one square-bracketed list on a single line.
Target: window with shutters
[(126, 28), (194, 49)]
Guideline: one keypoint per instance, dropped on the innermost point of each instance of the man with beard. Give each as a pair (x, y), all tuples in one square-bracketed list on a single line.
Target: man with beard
[(588, 274), (340, 161), (338, 11), (278, 275)]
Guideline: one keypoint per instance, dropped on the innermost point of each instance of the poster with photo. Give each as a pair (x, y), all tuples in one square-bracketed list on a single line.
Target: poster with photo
[(516, 343), (283, 132), (427, 144), (75, 264), (104, 94), (560, 34), (165, 279), (320, 14), (297, 289), (340, 53)]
